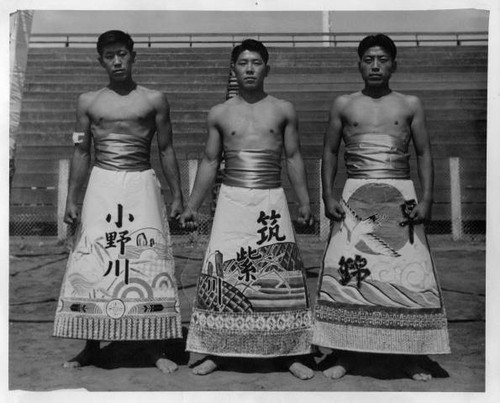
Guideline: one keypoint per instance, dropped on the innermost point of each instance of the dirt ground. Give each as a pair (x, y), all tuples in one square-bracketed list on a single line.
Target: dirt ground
[(35, 357)]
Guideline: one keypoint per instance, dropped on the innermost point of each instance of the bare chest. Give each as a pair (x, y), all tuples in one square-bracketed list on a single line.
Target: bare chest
[(384, 117), (121, 111), (252, 123)]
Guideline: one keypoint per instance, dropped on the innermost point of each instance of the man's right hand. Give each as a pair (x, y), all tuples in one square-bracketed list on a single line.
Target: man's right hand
[(333, 210), (72, 213), (187, 219)]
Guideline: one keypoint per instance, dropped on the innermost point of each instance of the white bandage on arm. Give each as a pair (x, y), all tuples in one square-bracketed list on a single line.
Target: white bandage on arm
[(78, 137)]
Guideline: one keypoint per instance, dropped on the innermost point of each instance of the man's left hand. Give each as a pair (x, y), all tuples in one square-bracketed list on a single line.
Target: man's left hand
[(421, 213), (305, 216), (176, 208)]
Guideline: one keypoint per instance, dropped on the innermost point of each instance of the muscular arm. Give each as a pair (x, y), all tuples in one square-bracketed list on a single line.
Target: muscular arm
[(421, 141), (207, 171), (295, 164), (168, 159), (80, 162), (331, 144)]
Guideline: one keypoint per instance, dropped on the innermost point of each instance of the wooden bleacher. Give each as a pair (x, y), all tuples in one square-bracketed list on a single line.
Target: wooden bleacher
[(450, 80)]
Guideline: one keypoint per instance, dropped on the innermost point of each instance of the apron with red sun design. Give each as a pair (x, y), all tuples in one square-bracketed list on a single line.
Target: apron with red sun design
[(378, 290)]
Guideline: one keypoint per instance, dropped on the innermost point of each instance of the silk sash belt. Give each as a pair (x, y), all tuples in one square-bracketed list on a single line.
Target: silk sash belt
[(255, 169), (123, 152), (377, 156)]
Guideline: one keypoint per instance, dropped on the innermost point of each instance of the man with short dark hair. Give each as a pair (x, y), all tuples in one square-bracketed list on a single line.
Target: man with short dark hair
[(119, 282), (252, 299), (378, 290)]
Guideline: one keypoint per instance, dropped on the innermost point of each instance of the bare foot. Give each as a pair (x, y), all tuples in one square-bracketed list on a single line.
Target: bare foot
[(421, 376), (87, 356), (335, 372), (165, 365), (300, 370), (156, 351), (414, 371), (206, 367), (340, 368)]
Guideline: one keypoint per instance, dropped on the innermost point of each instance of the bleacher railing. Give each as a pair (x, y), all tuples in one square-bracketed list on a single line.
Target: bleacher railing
[(294, 39), (460, 224)]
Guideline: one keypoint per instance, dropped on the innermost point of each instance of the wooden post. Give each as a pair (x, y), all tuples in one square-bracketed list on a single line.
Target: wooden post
[(324, 222), (192, 169), (62, 192), (327, 25), (456, 199)]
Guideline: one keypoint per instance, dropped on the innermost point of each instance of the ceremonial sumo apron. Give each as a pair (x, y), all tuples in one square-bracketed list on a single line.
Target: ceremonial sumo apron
[(378, 289), (252, 299), (119, 282)]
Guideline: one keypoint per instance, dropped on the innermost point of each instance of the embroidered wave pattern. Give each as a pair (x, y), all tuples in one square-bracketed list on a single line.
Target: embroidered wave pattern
[(270, 280), (377, 293), (277, 283)]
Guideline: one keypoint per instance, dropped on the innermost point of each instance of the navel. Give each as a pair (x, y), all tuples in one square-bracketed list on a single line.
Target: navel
[(233, 133), (396, 123)]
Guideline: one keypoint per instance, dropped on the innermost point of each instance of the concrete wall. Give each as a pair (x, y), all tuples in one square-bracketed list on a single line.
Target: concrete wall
[(258, 21), (176, 21)]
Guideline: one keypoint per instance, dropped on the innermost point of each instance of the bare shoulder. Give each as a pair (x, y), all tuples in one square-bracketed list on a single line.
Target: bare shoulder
[(217, 112), (342, 101), (346, 98), (412, 101), (158, 98), (282, 105), (87, 99), (222, 107)]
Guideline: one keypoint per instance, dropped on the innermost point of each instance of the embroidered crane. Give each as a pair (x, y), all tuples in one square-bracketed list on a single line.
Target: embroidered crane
[(361, 229)]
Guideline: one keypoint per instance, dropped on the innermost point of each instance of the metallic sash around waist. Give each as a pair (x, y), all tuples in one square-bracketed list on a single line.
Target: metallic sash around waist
[(122, 152), (256, 169), (377, 156)]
